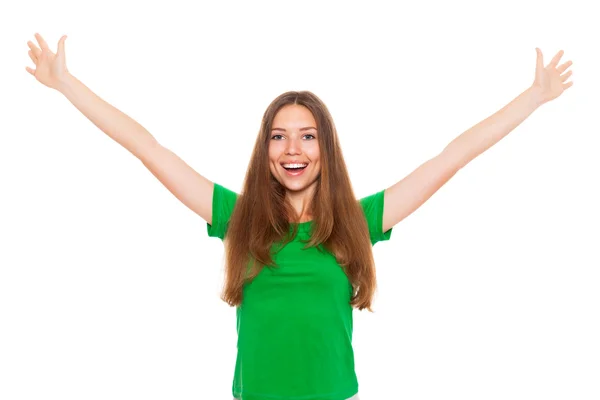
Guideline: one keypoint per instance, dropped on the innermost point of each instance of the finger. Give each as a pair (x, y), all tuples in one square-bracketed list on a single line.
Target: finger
[(567, 85), (33, 58), (556, 59), (566, 76), (563, 67), (540, 58), (31, 71), (42, 42), (34, 49)]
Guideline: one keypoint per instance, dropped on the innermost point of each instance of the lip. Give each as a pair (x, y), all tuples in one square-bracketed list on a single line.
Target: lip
[(296, 173), (293, 162)]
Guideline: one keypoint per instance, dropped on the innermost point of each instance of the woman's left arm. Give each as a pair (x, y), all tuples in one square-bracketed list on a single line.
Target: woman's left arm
[(404, 197)]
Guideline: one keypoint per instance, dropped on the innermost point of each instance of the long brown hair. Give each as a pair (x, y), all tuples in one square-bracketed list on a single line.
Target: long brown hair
[(262, 214)]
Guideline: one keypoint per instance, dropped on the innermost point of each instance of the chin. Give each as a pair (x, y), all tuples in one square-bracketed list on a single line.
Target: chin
[(298, 186)]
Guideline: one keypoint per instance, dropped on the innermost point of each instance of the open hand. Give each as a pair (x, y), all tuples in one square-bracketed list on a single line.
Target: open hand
[(50, 68), (550, 81)]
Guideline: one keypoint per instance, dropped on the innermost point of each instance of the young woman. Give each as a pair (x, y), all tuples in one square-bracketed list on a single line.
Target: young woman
[(298, 244)]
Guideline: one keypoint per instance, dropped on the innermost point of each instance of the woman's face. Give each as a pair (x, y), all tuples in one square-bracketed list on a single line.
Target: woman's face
[(293, 140)]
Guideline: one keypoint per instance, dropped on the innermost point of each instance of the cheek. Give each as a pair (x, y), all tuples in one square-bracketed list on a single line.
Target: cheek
[(275, 148), (272, 153), (314, 153), (274, 156)]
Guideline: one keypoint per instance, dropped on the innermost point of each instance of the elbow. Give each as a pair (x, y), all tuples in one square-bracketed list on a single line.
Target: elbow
[(452, 161)]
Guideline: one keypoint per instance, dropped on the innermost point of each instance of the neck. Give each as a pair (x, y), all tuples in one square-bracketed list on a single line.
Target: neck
[(300, 201)]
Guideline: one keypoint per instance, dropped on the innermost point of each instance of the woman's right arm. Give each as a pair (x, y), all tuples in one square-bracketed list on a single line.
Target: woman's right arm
[(191, 188)]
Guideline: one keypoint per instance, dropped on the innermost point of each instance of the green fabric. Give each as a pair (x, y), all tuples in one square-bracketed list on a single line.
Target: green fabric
[(295, 322)]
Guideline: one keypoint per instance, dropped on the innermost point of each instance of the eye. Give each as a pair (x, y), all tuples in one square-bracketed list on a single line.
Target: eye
[(276, 137)]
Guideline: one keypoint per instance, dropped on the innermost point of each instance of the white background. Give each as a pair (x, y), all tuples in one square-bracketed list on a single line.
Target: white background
[(109, 287)]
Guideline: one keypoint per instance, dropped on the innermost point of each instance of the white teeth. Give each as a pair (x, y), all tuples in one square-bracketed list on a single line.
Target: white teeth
[(294, 165)]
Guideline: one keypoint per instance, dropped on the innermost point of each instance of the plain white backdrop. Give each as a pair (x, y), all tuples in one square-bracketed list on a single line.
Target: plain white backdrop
[(109, 286)]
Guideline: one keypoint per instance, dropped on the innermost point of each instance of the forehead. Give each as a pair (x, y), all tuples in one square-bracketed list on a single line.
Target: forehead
[(294, 116)]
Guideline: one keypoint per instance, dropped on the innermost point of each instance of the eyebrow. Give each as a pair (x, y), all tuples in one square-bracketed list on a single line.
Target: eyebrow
[(301, 129)]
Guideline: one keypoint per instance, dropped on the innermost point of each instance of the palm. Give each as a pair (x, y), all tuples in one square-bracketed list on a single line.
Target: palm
[(50, 67), (550, 81)]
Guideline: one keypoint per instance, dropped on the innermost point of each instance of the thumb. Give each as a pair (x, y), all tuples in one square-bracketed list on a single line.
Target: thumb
[(540, 59), (61, 46)]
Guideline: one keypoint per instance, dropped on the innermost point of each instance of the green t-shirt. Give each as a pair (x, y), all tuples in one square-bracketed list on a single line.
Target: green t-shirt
[(295, 322)]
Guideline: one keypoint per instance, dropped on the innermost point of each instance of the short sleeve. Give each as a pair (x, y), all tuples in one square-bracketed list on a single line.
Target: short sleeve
[(223, 202), (373, 208)]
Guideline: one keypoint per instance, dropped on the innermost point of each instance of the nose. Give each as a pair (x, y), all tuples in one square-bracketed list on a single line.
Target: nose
[(293, 146)]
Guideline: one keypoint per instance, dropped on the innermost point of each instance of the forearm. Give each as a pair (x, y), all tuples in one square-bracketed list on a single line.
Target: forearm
[(491, 130), (116, 124)]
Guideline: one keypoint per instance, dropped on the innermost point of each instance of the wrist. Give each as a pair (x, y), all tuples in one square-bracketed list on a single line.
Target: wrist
[(65, 83), (535, 96)]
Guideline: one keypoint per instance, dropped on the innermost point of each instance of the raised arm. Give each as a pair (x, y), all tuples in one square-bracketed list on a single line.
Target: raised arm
[(191, 188), (404, 197)]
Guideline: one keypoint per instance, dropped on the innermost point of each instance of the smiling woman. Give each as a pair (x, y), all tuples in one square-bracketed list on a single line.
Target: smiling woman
[(298, 243), (310, 245)]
